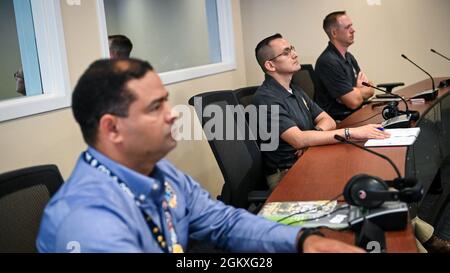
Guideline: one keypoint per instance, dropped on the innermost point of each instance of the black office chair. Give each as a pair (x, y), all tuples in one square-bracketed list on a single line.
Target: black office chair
[(240, 161), (24, 194), (245, 95), (305, 79)]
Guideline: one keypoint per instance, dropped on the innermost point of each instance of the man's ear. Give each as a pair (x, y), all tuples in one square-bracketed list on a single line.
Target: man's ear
[(108, 129), (269, 66), (333, 32)]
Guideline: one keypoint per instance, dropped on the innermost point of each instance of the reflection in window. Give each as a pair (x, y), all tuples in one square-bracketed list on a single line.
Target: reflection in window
[(19, 68), (171, 34), (32, 28)]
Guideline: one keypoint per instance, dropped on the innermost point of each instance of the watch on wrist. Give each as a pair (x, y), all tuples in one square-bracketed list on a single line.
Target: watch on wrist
[(305, 233), (347, 134)]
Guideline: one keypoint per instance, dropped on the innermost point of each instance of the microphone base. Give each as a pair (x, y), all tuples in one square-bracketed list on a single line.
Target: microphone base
[(427, 95), (402, 121), (444, 83), (390, 216), (371, 237), (385, 96)]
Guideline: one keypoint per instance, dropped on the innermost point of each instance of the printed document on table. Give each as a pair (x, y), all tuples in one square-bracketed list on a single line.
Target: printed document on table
[(308, 214), (399, 137)]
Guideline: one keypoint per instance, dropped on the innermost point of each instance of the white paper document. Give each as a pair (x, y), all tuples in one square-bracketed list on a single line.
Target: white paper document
[(399, 137)]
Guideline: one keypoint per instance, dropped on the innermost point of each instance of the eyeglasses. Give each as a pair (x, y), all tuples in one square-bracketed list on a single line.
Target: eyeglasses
[(286, 52)]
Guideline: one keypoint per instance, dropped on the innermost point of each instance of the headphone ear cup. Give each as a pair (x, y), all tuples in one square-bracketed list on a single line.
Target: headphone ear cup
[(356, 190), (386, 113), (411, 194), (415, 115), (389, 111), (348, 189)]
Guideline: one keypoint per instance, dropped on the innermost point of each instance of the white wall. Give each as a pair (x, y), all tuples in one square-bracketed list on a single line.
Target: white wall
[(383, 33)]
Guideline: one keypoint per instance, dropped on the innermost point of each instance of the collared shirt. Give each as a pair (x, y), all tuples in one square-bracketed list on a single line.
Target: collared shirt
[(92, 213), (295, 110), (336, 76)]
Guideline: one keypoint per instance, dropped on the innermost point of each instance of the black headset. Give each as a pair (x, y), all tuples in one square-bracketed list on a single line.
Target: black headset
[(391, 110), (371, 191)]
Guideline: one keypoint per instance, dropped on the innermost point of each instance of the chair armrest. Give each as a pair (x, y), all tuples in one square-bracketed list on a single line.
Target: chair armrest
[(341, 115)]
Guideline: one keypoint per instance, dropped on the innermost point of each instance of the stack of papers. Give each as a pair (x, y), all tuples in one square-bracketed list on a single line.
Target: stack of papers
[(399, 137)]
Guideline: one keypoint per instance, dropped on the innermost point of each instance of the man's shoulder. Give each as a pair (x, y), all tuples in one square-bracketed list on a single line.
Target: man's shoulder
[(82, 199), (85, 187), (169, 168), (88, 220), (179, 178), (327, 58), (266, 95)]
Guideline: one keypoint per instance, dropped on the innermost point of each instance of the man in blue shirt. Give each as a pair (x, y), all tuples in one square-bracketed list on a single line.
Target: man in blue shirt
[(123, 197)]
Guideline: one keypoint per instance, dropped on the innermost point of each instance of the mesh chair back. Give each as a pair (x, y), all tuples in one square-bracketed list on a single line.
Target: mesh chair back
[(245, 95), (24, 194), (239, 158), (305, 79)]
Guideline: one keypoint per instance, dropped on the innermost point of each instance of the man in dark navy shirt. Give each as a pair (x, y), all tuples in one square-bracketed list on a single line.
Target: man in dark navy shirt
[(301, 122), (339, 90)]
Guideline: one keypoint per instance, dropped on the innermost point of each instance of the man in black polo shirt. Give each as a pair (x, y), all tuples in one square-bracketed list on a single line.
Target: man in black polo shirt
[(339, 90), (302, 123)]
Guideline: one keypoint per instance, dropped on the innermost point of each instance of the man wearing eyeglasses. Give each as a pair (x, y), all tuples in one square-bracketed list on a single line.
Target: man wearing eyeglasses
[(339, 89), (302, 123)]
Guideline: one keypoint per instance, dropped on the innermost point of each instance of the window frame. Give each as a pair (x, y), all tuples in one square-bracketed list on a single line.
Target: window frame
[(53, 65), (227, 46)]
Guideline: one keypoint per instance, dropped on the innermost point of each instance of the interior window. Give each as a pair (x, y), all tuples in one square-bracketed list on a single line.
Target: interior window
[(175, 35)]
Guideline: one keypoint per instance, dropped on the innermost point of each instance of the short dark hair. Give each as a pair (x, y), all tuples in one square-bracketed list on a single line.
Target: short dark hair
[(330, 21), (102, 90), (264, 52), (120, 44)]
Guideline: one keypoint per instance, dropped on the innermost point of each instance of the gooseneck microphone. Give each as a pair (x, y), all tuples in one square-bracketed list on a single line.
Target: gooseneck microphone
[(435, 52), (343, 140), (370, 191), (414, 115), (431, 77), (444, 83), (384, 91)]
